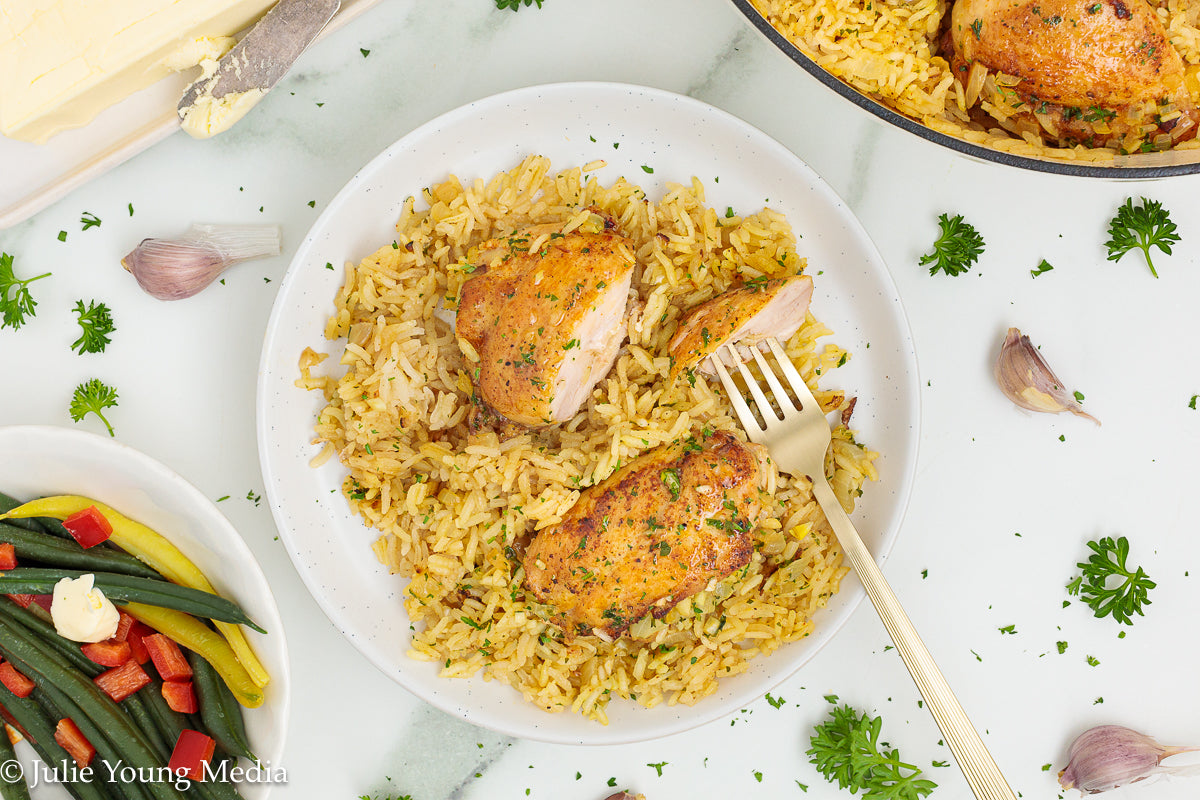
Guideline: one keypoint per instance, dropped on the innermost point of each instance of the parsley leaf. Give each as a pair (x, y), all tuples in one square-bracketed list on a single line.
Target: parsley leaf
[(96, 323), (1096, 587), (1145, 226), (92, 397), (515, 5), (21, 303), (957, 247), (846, 750)]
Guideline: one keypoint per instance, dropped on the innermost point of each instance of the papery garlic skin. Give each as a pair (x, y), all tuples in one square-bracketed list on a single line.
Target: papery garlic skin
[(1110, 756), (1028, 381), (173, 269)]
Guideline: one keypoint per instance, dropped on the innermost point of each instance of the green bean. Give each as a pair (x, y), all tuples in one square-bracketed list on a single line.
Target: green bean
[(58, 705), (170, 723), (39, 661), (132, 589), (219, 709), (12, 787), (68, 649), (53, 551), (40, 734)]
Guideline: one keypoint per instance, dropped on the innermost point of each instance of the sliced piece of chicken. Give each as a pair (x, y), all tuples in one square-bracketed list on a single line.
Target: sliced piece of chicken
[(1090, 71), (546, 325), (655, 532), (746, 315)]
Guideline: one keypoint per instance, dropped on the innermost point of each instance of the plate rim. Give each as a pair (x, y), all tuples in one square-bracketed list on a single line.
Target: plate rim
[(910, 390), (281, 677)]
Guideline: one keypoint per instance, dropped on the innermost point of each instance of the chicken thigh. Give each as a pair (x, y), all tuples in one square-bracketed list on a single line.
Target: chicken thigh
[(655, 532), (546, 325), (756, 310), (1095, 72)]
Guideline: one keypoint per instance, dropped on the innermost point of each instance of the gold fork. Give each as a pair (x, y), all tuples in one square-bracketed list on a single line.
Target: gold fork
[(798, 439)]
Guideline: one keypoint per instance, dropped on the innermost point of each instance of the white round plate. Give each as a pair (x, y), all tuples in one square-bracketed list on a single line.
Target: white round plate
[(651, 137), (39, 461)]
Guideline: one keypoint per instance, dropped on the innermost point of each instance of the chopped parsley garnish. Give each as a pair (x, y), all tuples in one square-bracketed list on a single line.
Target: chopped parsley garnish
[(1145, 226), (847, 751), (92, 397), (96, 323), (658, 767), (1107, 585), (1008, 629), (647, 170), (20, 303), (774, 702), (976, 27), (515, 5), (89, 220), (365, 52), (1044, 266), (673, 480), (958, 246)]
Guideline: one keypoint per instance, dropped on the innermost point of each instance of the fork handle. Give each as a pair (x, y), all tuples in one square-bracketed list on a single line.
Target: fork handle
[(978, 766)]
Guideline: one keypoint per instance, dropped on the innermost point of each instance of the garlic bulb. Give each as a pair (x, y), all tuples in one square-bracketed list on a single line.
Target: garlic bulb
[(1028, 381), (1110, 756), (172, 269)]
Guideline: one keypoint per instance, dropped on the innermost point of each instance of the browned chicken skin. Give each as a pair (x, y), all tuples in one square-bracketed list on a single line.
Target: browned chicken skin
[(1097, 72), (655, 532), (746, 314), (547, 325)]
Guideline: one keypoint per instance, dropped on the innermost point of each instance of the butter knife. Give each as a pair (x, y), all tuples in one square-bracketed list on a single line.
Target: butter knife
[(247, 72)]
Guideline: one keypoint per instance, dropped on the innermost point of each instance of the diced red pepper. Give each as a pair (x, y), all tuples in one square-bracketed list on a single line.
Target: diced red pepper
[(43, 600), (180, 696), (120, 682), (88, 527), (109, 653), (23, 600), (15, 681), (67, 734), (193, 750), (8, 556), (131, 631), (167, 657)]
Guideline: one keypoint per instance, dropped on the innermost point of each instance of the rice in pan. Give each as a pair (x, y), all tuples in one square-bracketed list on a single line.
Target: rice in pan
[(902, 54), (454, 508)]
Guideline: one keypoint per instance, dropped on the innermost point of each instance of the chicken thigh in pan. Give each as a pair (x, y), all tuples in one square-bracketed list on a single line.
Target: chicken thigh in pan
[(1095, 72)]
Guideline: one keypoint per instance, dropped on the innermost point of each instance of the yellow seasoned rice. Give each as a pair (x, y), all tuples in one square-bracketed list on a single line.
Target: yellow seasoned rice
[(888, 50), (450, 506)]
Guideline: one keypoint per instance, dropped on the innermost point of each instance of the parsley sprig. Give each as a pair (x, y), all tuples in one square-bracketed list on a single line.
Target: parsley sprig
[(96, 323), (20, 303), (1145, 226), (958, 246), (847, 751), (92, 397), (1121, 597), (515, 5)]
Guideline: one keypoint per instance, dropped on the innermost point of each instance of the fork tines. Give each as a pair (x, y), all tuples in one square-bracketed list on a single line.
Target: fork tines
[(786, 403)]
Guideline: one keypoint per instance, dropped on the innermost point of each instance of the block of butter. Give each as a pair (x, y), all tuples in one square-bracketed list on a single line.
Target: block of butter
[(62, 62)]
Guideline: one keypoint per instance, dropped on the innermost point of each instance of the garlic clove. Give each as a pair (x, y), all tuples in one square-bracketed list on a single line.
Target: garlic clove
[(172, 269), (1110, 756), (1028, 381)]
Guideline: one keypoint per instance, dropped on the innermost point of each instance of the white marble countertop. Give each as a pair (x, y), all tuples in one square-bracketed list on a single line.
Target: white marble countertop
[(1003, 501)]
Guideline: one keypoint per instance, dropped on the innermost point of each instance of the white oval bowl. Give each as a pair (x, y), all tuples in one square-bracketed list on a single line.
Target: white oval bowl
[(39, 461)]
